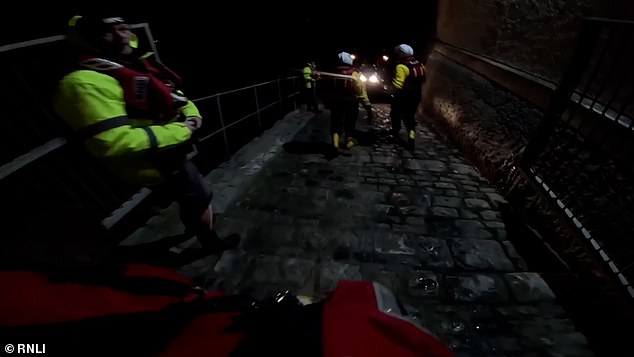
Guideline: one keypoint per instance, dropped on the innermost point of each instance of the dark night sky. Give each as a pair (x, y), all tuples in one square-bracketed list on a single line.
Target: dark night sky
[(216, 50)]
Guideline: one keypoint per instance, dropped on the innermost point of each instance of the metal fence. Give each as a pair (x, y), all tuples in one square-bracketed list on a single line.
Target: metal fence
[(42, 171), (581, 156)]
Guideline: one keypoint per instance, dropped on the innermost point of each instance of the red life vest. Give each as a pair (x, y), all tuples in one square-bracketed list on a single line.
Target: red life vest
[(150, 88), (413, 82), (346, 89), (144, 310)]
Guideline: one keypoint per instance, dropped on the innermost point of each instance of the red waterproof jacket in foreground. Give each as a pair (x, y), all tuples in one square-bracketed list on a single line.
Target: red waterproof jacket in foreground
[(144, 310)]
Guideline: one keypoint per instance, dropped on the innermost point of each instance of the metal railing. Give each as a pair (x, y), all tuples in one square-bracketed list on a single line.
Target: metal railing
[(42, 169), (231, 119), (581, 155)]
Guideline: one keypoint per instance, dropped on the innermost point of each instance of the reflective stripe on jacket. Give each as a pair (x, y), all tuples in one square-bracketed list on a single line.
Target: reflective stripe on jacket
[(308, 77), (362, 95)]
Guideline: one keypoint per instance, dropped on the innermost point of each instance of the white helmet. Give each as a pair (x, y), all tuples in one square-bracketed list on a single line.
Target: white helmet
[(345, 58), (403, 50)]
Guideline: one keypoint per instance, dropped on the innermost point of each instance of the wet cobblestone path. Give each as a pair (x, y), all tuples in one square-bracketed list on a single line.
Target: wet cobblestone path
[(424, 224)]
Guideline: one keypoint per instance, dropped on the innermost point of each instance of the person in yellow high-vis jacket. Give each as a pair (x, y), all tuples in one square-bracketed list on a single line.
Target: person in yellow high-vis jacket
[(346, 91), (309, 88), (406, 89), (130, 113)]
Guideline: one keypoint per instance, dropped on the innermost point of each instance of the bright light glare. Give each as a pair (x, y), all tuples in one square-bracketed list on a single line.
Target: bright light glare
[(373, 79), (353, 56), (364, 78), (385, 58)]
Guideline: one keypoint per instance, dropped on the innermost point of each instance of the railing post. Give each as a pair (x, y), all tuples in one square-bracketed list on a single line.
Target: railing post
[(295, 97), (257, 107), (222, 124), (150, 39), (279, 96)]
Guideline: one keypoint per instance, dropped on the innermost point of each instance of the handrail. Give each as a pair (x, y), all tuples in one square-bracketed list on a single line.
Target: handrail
[(609, 21), (51, 39), (230, 91), (139, 196)]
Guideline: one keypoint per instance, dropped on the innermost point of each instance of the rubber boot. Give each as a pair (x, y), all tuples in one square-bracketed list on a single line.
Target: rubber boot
[(351, 142), (411, 139)]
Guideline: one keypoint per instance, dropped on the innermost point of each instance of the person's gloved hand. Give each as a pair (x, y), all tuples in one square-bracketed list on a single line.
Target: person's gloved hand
[(193, 123)]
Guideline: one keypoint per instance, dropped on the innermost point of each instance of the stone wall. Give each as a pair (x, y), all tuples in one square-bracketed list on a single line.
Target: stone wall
[(489, 124), (534, 35)]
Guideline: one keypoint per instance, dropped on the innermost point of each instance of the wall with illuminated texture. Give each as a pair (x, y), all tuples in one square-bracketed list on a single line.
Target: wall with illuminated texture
[(490, 125), (537, 36)]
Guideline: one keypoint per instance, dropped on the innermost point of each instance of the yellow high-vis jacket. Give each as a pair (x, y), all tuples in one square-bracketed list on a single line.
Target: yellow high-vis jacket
[(362, 90), (93, 104), (309, 80), (401, 74)]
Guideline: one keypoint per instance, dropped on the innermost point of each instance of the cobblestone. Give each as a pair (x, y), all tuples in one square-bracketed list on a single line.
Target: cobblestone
[(425, 224)]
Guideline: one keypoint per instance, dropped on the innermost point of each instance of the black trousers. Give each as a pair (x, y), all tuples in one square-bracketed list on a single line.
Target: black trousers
[(403, 108), (187, 187), (343, 117), (310, 98)]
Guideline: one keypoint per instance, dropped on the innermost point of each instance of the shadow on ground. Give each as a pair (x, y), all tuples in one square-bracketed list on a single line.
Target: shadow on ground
[(366, 138)]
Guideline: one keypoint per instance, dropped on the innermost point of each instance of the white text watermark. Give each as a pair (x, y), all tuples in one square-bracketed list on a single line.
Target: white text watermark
[(25, 348)]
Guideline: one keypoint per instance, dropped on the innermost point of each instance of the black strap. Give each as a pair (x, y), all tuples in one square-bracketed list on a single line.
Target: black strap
[(152, 137), (104, 125)]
